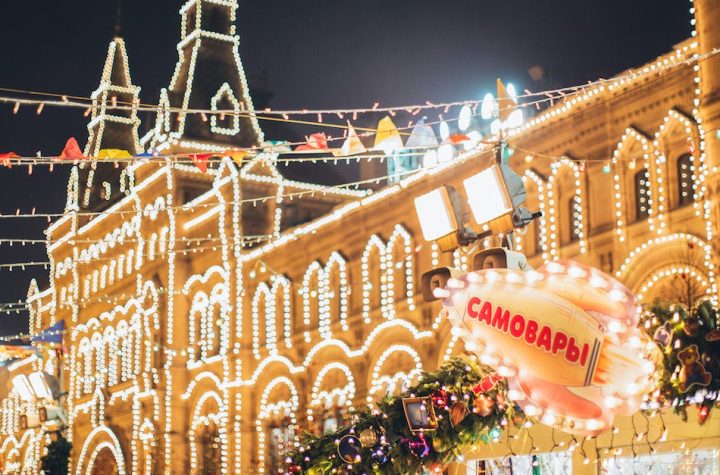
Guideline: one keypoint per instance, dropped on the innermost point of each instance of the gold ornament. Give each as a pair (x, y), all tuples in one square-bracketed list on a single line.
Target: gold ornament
[(368, 437), (483, 405)]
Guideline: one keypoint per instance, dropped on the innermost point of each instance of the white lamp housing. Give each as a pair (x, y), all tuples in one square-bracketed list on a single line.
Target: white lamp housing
[(435, 211), (40, 386), (23, 388), (488, 196)]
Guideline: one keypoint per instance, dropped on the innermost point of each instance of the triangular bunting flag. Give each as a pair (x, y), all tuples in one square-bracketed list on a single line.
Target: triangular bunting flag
[(422, 136), (387, 137), (113, 153), (459, 138), (201, 160), (238, 156), (352, 145), (315, 142), (505, 103), (5, 158), (71, 151)]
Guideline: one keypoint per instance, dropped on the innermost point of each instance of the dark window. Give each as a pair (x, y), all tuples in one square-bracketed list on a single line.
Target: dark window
[(209, 450), (537, 248), (574, 217), (684, 180), (642, 195)]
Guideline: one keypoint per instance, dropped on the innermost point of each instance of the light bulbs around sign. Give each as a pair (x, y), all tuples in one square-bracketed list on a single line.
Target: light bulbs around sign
[(430, 159), (465, 118), (474, 138), (488, 107), (436, 215), (487, 195), (40, 386), (515, 119), (445, 153), (444, 130), (22, 387)]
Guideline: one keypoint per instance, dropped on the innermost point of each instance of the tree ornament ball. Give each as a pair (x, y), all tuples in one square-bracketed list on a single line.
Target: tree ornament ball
[(294, 468), (349, 449), (483, 405), (368, 437), (439, 445), (440, 398)]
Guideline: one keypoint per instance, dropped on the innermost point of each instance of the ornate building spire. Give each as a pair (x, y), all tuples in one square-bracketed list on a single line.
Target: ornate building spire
[(110, 128), (208, 75)]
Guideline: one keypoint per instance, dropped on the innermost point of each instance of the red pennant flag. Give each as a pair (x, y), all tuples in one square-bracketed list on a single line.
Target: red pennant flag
[(71, 151), (201, 160), (315, 142), (5, 158), (458, 138)]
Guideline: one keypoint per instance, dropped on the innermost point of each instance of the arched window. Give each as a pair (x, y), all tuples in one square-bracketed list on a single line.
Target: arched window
[(264, 332), (311, 298), (373, 278), (209, 448), (336, 292), (641, 183), (684, 180), (279, 441), (574, 207)]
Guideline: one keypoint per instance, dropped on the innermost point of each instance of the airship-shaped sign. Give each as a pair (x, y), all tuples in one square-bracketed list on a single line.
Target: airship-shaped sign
[(565, 336)]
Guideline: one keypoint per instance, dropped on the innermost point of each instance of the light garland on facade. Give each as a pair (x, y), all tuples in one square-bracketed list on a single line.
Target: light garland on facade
[(621, 181), (382, 381), (556, 192), (125, 331)]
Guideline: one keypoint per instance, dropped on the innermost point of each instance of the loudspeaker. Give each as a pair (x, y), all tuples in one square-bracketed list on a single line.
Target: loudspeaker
[(434, 279), (500, 258)]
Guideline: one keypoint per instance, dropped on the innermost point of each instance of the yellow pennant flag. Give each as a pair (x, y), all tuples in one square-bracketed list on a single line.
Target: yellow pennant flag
[(113, 153), (504, 102), (387, 137), (352, 144), (238, 156)]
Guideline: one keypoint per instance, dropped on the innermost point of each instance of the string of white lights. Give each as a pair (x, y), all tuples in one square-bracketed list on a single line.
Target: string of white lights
[(65, 100), (261, 199)]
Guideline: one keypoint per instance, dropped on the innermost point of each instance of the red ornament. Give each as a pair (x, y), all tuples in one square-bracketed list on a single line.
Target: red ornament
[(440, 398), (294, 468), (487, 383), (703, 414)]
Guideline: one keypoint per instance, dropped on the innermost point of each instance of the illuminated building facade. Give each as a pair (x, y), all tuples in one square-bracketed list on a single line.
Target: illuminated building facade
[(207, 327)]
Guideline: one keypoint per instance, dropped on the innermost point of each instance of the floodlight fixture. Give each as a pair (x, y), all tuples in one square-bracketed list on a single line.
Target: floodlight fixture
[(40, 385), (436, 214), (23, 388), (489, 199)]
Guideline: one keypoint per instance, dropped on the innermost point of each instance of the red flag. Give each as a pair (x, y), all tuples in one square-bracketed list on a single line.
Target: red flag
[(5, 158), (316, 141), (201, 160), (458, 138), (71, 151)]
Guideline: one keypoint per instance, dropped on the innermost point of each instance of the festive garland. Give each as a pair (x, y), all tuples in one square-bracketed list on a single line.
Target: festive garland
[(465, 403), (690, 344), (461, 404)]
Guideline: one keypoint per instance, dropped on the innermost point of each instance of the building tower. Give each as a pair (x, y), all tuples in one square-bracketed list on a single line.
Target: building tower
[(208, 76), (100, 184)]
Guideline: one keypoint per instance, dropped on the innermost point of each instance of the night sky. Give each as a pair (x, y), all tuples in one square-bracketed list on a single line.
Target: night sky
[(309, 54)]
